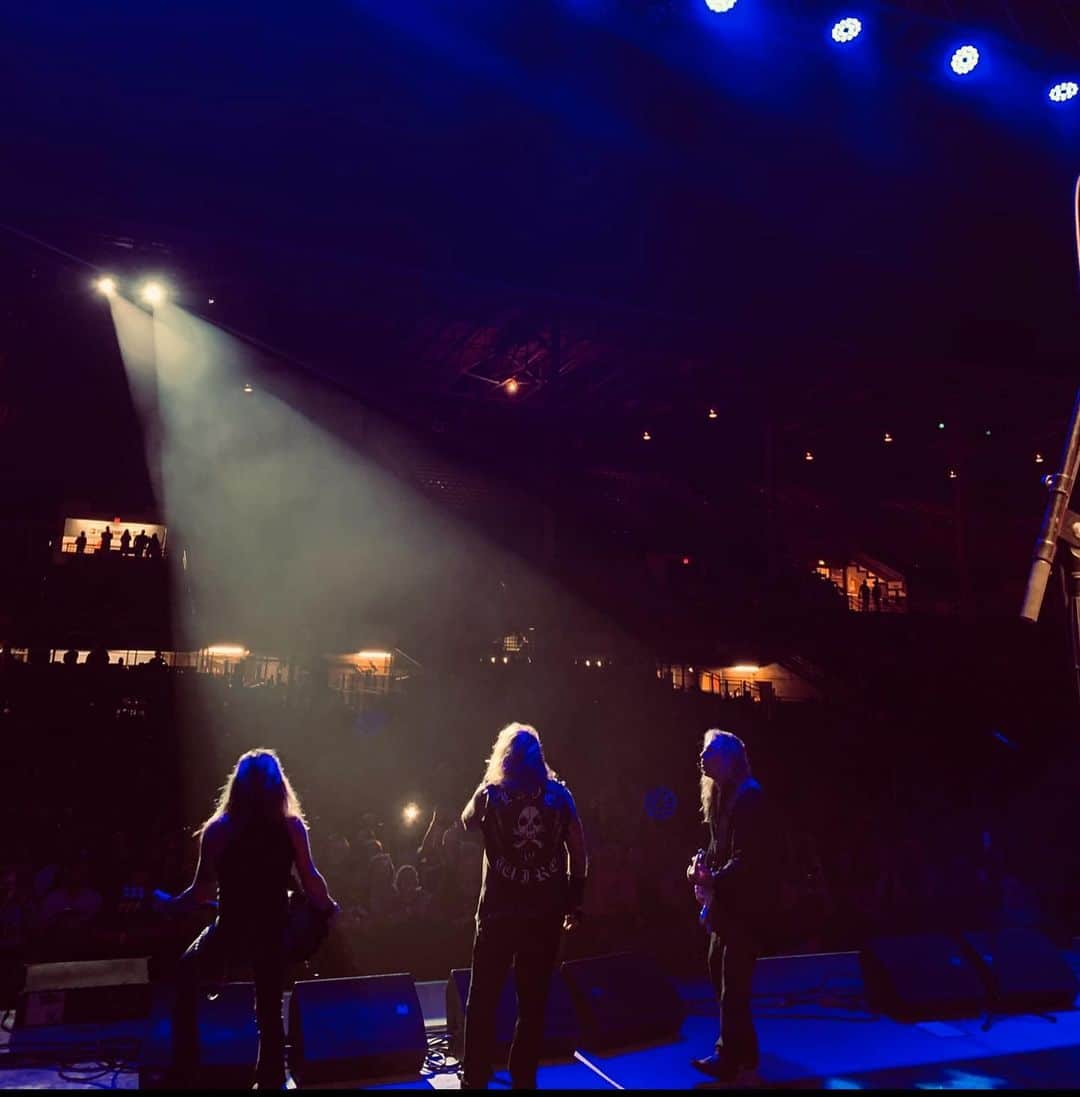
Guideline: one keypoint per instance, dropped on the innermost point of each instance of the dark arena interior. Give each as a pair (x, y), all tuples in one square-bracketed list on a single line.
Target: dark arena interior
[(378, 374)]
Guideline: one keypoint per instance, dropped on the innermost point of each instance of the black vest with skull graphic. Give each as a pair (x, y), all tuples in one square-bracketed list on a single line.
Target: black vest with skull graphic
[(525, 856)]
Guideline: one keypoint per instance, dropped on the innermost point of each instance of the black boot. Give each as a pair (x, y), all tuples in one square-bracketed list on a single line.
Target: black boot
[(718, 1066)]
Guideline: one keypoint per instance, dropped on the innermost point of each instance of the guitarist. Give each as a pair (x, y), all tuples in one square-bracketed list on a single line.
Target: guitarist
[(734, 881), (247, 851)]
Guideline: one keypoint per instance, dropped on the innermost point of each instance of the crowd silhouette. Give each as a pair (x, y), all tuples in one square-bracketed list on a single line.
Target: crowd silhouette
[(141, 546)]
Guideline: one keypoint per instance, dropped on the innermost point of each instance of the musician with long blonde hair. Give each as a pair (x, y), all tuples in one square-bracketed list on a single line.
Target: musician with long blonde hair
[(248, 848), (735, 884), (533, 889)]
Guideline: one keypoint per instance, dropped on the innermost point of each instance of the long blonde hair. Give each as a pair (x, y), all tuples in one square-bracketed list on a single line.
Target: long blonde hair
[(714, 796), (517, 754), (256, 789)]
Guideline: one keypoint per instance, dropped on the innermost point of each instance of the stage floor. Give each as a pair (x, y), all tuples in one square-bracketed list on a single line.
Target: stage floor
[(813, 1032)]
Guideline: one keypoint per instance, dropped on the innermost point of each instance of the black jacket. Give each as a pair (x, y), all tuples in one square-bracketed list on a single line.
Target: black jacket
[(744, 850)]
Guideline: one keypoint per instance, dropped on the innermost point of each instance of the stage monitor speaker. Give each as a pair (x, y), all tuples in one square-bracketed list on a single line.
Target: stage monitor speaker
[(343, 1030), (84, 992), (1023, 971), (623, 1000), (921, 978), (560, 1017), (228, 1038)]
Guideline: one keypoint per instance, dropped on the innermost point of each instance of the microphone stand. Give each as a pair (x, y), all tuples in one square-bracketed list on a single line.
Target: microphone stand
[(1060, 530), (1061, 526)]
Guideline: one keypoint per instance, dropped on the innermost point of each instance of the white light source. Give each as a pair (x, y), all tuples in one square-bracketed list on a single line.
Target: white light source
[(847, 30), (153, 293), (105, 285), (720, 5), (1063, 92), (964, 60), (410, 813)]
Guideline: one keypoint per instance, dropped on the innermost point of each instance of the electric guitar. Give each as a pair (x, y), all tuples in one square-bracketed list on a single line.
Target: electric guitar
[(305, 931), (699, 873), (308, 927)]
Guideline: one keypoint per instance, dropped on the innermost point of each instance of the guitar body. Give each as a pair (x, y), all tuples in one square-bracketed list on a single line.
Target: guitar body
[(697, 873), (307, 928)]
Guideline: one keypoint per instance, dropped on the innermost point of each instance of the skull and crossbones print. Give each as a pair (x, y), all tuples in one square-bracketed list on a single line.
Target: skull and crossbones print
[(527, 832)]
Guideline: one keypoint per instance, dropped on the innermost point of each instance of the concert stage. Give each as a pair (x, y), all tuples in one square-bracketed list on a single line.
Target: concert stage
[(814, 1028)]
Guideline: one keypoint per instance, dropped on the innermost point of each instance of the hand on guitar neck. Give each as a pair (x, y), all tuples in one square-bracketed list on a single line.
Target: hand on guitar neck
[(164, 903)]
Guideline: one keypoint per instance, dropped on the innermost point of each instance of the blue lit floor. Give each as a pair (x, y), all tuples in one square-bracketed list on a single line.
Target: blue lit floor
[(831, 1048), (803, 1046)]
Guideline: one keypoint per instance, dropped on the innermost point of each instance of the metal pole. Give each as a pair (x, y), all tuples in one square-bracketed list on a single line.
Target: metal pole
[(1072, 560)]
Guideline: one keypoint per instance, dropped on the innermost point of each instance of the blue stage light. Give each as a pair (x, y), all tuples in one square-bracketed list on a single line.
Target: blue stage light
[(847, 30), (1063, 92), (720, 5), (964, 60)]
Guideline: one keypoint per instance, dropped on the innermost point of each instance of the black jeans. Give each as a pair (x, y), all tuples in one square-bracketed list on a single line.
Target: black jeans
[(532, 946), (204, 964), (732, 956)]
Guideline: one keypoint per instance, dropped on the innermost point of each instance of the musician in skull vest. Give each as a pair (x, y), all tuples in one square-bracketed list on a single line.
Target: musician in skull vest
[(533, 889), (735, 882)]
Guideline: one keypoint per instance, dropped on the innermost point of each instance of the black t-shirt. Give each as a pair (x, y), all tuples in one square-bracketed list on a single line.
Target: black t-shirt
[(525, 854), (254, 871)]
